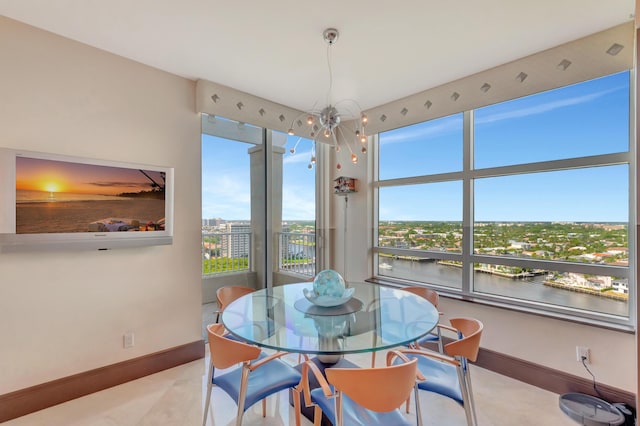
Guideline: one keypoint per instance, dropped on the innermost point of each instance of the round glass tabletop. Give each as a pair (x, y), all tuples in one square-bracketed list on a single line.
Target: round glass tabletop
[(376, 318)]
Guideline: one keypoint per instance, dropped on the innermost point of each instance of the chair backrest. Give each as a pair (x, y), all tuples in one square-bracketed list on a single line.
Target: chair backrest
[(227, 352), (469, 344), (379, 389), (228, 294), (427, 293)]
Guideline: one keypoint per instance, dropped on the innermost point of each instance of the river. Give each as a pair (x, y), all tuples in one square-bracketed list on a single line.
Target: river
[(528, 288)]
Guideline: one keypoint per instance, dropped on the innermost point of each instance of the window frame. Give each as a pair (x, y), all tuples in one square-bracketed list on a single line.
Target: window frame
[(468, 175)]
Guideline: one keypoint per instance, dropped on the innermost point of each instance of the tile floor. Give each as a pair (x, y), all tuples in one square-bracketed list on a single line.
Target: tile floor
[(176, 397)]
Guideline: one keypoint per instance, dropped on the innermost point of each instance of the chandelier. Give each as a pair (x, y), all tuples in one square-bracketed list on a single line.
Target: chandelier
[(330, 124)]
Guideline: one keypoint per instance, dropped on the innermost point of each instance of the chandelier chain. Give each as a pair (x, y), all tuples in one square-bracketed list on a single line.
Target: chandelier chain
[(330, 73)]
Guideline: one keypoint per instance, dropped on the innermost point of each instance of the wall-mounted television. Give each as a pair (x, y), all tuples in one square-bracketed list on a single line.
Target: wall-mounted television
[(50, 201)]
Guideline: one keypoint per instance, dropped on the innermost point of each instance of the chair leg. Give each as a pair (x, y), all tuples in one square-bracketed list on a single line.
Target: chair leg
[(264, 407), (440, 345), (338, 409), (242, 395), (208, 400), (472, 404), (466, 403), (296, 405), (406, 405), (417, 398), (373, 359), (317, 416)]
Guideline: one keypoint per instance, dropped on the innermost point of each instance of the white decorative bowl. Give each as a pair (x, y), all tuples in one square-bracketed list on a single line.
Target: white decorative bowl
[(328, 301)]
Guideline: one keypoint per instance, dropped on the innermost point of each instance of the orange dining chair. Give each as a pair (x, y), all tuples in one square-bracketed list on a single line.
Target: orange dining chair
[(258, 376), (434, 337), (361, 396), (433, 297), (227, 294), (448, 373)]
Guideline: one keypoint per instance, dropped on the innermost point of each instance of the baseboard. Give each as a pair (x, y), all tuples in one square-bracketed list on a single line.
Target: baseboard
[(34, 398), (25, 401), (548, 378)]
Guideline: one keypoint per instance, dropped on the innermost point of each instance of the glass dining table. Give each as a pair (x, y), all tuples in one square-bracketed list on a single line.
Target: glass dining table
[(376, 318)]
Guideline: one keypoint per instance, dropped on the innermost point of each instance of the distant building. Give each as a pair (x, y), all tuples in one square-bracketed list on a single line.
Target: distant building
[(617, 250), (237, 245), (621, 285), (520, 245)]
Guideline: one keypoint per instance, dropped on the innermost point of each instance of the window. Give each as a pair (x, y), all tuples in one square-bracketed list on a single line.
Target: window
[(441, 138), (297, 236), (528, 206), (245, 171)]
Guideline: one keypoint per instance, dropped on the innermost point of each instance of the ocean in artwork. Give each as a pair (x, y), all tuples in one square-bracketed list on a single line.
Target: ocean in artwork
[(44, 212)]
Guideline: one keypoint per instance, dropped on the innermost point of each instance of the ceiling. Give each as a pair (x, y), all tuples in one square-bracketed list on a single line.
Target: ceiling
[(275, 50)]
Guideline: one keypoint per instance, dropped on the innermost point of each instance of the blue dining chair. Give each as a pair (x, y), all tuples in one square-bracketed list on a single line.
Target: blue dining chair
[(258, 376), (361, 396), (448, 373)]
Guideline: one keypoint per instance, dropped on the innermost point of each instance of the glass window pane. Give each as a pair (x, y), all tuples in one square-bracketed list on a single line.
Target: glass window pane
[(424, 270), (226, 205), (603, 294), (569, 215), (584, 119), (297, 237), (421, 217), (425, 148)]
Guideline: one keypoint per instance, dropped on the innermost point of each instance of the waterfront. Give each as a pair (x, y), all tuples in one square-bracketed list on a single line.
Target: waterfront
[(75, 216), (531, 288)]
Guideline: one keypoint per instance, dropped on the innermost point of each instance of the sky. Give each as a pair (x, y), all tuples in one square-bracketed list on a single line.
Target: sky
[(53, 176), (226, 180), (585, 119)]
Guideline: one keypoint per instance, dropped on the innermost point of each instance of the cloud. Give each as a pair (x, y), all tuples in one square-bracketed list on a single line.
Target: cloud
[(543, 108), (225, 196), (298, 203), (423, 130)]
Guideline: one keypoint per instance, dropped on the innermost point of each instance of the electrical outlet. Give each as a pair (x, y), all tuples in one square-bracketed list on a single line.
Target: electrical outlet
[(128, 340), (582, 352)]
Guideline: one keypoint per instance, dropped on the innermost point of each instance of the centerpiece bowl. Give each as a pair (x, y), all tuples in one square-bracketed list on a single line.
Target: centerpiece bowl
[(328, 301), (329, 289)]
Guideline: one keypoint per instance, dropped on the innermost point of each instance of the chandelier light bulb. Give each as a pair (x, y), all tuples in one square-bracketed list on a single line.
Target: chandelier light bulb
[(358, 134), (309, 166), (327, 133), (338, 166), (313, 135), (313, 159), (310, 120), (292, 150), (290, 132), (364, 118), (337, 148), (354, 158), (363, 149), (363, 138)]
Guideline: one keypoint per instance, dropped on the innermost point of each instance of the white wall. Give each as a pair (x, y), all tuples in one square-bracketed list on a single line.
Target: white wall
[(552, 343), (65, 312)]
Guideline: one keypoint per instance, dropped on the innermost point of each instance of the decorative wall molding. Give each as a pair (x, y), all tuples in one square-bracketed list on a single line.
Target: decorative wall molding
[(579, 60)]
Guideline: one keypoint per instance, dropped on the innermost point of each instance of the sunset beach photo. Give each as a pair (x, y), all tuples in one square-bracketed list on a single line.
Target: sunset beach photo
[(60, 197)]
